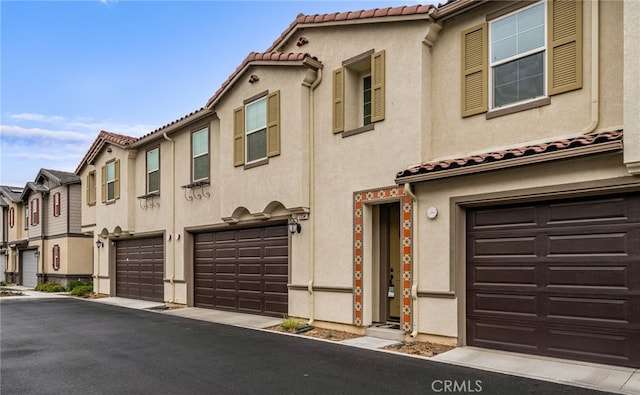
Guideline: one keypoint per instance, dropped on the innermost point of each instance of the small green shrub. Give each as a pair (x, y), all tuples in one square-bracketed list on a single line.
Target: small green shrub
[(290, 324), (3, 283), (78, 283), (50, 287), (82, 290)]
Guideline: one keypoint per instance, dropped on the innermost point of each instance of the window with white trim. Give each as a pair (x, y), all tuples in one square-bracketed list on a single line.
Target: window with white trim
[(153, 170), (256, 130), (200, 155), (517, 48), (111, 181), (366, 99), (12, 217), (35, 212)]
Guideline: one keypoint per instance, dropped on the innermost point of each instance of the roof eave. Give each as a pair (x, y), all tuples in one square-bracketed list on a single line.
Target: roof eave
[(173, 127), (452, 9), (306, 62)]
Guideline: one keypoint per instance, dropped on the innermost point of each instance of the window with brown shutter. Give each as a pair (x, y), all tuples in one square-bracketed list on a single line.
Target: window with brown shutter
[(56, 204), (504, 60), (358, 93), (256, 130)]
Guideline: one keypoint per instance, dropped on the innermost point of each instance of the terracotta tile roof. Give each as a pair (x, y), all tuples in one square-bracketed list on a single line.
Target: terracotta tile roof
[(104, 137), (254, 57), (504, 156), (161, 128), (303, 19)]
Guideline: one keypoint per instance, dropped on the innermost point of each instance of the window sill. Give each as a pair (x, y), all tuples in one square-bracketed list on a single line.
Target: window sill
[(108, 202), (359, 130), (150, 195), (535, 103), (197, 184), (257, 163)]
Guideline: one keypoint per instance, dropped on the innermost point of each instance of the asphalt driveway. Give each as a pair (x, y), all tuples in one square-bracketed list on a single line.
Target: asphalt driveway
[(69, 346)]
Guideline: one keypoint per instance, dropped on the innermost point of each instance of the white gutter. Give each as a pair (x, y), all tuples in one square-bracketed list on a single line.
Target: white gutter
[(414, 266), (312, 237), (173, 217), (595, 67)]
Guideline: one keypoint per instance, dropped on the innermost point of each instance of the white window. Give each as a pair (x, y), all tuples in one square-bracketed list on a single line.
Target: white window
[(518, 56), (200, 152), (256, 130), (153, 170), (111, 181)]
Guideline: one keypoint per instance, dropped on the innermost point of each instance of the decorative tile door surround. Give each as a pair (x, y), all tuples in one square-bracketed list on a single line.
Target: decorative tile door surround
[(406, 212)]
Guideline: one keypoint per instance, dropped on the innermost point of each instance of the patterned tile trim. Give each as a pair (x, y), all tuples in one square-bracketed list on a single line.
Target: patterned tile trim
[(406, 212)]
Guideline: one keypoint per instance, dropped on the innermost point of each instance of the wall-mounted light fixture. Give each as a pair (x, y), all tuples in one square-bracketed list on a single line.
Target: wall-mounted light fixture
[(99, 244), (294, 226), (37, 253)]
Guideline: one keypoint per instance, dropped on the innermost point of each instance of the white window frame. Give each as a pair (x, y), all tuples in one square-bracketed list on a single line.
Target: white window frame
[(255, 130), (107, 181), (155, 170), (204, 130), (543, 49)]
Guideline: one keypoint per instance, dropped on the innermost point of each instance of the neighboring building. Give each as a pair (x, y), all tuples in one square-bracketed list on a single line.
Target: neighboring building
[(11, 229), (513, 223), (44, 241)]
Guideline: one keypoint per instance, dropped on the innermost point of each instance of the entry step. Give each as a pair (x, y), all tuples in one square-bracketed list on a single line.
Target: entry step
[(382, 332)]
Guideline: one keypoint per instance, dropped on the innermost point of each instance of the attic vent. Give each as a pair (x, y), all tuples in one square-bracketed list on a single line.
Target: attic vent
[(302, 41)]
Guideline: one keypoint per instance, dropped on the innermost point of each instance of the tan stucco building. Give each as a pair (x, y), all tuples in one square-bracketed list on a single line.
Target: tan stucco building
[(453, 173)]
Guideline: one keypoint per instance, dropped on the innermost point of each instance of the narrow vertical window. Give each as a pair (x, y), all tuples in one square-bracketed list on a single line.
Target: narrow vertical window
[(91, 188), (56, 204), (256, 130), (26, 217), (153, 170), (35, 215), (366, 100), (200, 152), (55, 257), (12, 217), (111, 181)]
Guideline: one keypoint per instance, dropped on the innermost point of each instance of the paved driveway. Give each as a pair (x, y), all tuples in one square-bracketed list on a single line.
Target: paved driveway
[(69, 346)]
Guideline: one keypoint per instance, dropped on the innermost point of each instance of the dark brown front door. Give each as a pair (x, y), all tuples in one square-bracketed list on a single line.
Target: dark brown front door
[(140, 268), (559, 278), (242, 270)]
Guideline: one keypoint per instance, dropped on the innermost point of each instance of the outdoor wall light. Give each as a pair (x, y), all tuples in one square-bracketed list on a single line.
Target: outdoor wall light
[(37, 253), (99, 244), (294, 226)]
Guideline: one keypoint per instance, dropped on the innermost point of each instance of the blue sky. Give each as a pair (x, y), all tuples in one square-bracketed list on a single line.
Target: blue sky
[(69, 69)]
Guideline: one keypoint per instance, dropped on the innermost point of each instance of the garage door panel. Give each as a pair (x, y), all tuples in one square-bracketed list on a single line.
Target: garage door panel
[(577, 287), (608, 347), (606, 277), (589, 309), (598, 211), (250, 270), (522, 275), (505, 304), (519, 338)]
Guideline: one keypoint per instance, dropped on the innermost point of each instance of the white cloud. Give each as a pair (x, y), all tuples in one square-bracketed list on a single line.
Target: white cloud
[(22, 132)]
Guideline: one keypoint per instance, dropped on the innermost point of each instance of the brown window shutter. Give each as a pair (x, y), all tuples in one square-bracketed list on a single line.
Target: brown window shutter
[(88, 189), (116, 184), (377, 86), (474, 70), (273, 124), (104, 184), (338, 100), (238, 136), (565, 45)]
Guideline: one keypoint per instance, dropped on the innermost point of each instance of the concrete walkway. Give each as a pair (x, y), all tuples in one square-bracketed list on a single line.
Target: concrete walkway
[(581, 374)]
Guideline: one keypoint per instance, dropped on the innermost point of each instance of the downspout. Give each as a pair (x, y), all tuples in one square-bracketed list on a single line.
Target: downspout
[(416, 254), (173, 218), (96, 283), (595, 68), (312, 237)]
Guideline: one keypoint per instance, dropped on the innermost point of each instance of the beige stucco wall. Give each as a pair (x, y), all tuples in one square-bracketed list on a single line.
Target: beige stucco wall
[(75, 255), (568, 114)]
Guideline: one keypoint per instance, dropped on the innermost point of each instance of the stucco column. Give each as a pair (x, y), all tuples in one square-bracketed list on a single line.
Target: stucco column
[(631, 95)]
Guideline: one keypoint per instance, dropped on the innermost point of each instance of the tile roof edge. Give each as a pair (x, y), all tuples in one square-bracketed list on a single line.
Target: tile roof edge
[(535, 153), (263, 58), (369, 16), (103, 137)]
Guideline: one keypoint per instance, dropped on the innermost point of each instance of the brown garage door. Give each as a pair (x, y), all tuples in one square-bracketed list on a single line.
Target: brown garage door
[(242, 270), (140, 268), (560, 279)]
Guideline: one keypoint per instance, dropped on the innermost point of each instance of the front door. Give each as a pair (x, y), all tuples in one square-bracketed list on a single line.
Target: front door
[(390, 295)]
